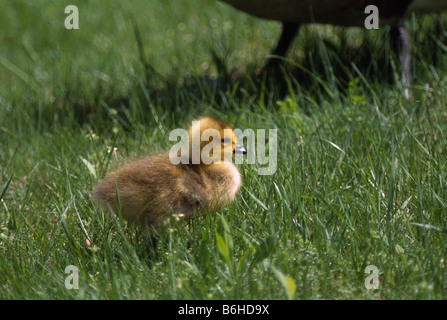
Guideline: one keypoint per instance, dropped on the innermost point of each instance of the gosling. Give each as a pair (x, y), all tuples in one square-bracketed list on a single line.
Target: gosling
[(152, 190)]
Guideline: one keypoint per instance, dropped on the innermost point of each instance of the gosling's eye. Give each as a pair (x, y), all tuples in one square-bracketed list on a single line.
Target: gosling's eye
[(226, 140)]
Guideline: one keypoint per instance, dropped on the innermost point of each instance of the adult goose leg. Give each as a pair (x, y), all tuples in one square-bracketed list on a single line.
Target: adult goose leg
[(289, 31), (402, 46)]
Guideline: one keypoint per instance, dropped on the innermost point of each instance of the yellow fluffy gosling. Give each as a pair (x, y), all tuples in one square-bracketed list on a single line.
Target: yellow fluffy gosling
[(153, 189)]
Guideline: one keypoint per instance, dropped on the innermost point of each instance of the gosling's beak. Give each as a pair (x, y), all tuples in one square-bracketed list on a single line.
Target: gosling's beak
[(239, 149)]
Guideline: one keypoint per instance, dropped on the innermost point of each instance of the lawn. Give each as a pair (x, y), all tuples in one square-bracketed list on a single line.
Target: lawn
[(361, 177)]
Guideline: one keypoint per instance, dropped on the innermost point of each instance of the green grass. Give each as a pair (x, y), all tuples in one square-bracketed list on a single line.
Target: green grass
[(361, 177)]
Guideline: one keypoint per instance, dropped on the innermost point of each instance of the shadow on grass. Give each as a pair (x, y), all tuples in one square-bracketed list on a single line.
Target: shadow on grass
[(318, 64)]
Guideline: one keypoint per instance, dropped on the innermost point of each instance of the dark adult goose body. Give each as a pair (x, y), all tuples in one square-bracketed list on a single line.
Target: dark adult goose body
[(341, 12)]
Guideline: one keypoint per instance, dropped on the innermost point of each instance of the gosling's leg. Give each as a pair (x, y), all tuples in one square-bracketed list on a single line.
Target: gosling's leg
[(402, 46), (152, 251)]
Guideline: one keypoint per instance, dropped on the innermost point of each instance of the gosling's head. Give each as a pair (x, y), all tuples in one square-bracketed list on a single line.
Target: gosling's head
[(212, 141)]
